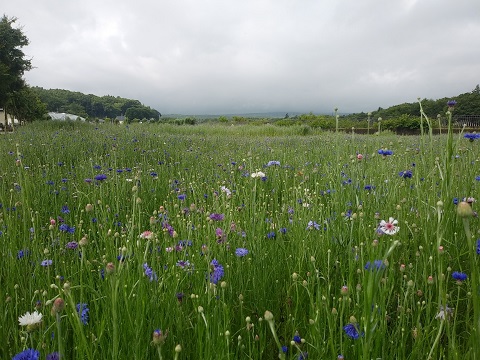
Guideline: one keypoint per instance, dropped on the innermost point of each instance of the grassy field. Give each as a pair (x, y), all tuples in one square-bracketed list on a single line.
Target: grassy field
[(237, 242)]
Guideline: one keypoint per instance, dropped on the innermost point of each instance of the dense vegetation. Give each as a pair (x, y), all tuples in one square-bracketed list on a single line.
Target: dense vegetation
[(160, 241), (94, 107)]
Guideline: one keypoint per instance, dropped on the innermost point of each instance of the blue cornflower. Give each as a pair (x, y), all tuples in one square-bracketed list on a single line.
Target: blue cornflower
[(149, 272), (377, 265), (65, 209), (100, 177), (182, 197), (82, 311), (351, 330), (405, 174), (312, 225), (153, 174), (283, 230), (459, 276), (240, 252), (369, 187), (46, 263), (273, 163), (271, 235), (297, 338), (477, 178), (22, 253), (284, 349), (385, 152), (217, 272), (471, 136), (28, 354), (65, 228), (451, 103), (478, 246)]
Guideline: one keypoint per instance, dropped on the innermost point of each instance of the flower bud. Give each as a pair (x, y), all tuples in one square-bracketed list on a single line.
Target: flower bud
[(464, 209), (58, 306)]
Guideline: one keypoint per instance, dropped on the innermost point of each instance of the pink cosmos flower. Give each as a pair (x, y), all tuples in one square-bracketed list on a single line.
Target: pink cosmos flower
[(389, 227)]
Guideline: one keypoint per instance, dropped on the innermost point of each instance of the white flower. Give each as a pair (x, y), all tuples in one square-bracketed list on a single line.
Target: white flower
[(390, 227), (30, 319), (444, 313), (226, 190), (258, 174)]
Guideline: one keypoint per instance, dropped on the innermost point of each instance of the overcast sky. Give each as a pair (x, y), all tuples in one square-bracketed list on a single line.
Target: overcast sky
[(226, 56)]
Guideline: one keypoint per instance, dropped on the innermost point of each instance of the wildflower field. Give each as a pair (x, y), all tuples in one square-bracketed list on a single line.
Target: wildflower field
[(157, 241)]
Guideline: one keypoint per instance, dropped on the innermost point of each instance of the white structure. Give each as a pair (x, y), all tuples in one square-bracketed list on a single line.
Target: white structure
[(64, 116), (7, 119)]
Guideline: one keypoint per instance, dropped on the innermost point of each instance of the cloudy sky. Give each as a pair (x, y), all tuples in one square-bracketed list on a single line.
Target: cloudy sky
[(226, 56)]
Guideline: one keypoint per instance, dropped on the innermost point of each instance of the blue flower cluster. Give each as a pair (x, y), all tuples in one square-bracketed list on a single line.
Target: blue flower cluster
[(217, 271), (385, 152), (82, 311), (471, 136)]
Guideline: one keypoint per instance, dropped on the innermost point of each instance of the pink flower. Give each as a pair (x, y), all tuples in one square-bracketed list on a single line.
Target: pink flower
[(359, 156), (147, 235)]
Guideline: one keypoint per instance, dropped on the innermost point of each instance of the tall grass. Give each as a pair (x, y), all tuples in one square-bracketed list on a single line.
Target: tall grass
[(316, 262)]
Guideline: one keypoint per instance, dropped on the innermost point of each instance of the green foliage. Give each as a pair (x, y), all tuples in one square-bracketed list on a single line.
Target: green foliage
[(13, 62), (93, 106)]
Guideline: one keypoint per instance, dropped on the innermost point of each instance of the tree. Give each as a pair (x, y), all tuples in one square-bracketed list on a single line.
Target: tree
[(25, 105), (13, 63)]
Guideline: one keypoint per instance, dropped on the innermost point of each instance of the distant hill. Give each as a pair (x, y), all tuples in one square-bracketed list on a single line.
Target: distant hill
[(96, 107), (92, 106), (467, 104)]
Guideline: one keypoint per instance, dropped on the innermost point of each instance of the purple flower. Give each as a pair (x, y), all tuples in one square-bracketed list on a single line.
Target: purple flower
[(28, 354), (312, 225), (72, 245), (65, 209), (82, 311), (53, 356), (149, 272), (273, 163), (459, 276), (100, 177), (216, 272), (217, 217), (241, 252)]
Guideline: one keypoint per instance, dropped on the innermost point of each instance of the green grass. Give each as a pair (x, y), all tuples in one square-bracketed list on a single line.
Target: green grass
[(293, 270)]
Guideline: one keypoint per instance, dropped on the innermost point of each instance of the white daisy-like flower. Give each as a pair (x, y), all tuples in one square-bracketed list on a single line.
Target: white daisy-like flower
[(30, 320), (258, 174), (389, 227)]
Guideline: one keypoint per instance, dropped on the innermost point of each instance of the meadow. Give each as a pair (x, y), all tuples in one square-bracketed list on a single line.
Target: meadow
[(155, 241)]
